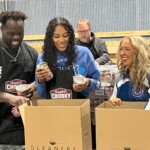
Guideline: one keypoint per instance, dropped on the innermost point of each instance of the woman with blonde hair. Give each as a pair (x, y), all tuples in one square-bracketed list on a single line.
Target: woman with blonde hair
[(134, 65)]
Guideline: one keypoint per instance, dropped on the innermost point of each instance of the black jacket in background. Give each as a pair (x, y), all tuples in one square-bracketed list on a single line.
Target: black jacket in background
[(98, 48)]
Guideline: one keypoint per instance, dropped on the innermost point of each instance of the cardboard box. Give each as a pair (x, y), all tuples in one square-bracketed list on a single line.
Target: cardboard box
[(57, 124), (127, 126)]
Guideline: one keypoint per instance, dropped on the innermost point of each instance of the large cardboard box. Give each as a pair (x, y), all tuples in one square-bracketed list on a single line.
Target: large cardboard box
[(127, 126), (57, 125)]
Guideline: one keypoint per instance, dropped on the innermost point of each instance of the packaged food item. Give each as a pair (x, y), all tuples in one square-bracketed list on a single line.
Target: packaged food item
[(20, 88), (109, 73), (44, 65), (78, 78)]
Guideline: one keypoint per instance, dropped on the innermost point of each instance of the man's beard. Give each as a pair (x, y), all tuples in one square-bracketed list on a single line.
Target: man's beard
[(84, 40)]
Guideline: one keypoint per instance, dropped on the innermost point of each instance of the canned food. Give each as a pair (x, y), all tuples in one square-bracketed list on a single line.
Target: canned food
[(107, 90), (78, 78), (20, 88), (42, 65)]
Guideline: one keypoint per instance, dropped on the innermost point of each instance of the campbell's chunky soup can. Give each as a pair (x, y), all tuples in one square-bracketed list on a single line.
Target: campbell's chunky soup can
[(44, 65), (20, 88), (78, 78)]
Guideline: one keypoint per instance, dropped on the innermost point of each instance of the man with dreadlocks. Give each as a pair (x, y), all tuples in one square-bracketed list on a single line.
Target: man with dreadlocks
[(17, 66)]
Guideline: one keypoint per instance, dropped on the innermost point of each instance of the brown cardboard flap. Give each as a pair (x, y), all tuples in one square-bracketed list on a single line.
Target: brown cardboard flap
[(58, 102), (57, 106), (21, 109), (125, 105)]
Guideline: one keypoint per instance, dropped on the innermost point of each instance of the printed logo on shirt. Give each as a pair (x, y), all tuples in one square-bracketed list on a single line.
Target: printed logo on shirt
[(10, 86), (15, 111), (0, 72), (79, 69), (65, 68), (61, 93)]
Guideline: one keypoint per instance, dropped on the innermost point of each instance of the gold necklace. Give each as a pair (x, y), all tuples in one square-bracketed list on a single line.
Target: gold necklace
[(14, 58)]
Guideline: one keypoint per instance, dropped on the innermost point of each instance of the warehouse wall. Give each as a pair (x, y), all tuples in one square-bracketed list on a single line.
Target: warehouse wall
[(105, 15)]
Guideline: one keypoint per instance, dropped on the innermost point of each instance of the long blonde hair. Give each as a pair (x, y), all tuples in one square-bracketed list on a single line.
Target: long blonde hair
[(141, 61)]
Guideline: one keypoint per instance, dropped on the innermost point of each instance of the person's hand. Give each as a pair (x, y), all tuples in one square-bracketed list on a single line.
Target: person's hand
[(97, 64), (16, 100), (82, 86), (43, 74), (28, 92), (116, 102)]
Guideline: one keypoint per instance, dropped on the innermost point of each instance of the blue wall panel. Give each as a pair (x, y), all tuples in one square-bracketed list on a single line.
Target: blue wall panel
[(105, 15)]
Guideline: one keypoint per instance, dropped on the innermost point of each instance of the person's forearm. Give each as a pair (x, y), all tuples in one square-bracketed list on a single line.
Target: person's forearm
[(103, 59), (4, 97)]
